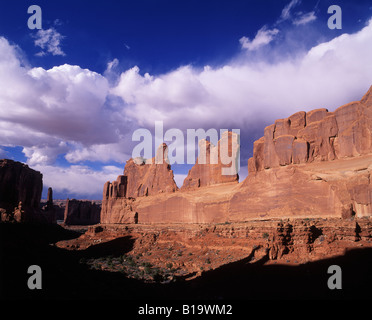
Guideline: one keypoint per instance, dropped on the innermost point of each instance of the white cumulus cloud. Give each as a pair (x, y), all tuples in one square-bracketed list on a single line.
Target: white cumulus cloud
[(244, 93), (78, 179), (51, 112), (80, 114)]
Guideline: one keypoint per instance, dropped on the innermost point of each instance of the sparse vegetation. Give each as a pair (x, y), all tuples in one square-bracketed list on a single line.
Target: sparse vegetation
[(163, 262), (132, 267)]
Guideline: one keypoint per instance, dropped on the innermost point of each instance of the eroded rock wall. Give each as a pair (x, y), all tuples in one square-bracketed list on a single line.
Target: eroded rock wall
[(141, 178), (149, 177), (20, 192), (81, 212), (317, 135), (314, 164), (215, 164)]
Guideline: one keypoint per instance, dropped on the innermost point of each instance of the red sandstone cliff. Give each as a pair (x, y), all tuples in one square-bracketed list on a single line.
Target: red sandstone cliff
[(20, 193), (314, 164), (210, 167), (141, 178), (317, 135), (145, 178)]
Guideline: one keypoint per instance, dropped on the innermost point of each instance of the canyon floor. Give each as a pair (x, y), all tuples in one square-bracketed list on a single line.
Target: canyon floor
[(275, 259)]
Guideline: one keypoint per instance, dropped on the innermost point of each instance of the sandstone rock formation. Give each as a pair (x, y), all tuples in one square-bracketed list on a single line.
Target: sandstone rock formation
[(141, 178), (118, 210), (317, 163), (80, 212), (317, 135), (49, 206), (50, 197), (57, 206), (144, 178), (319, 189), (20, 192), (49, 209), (215, 164), (311, 164)]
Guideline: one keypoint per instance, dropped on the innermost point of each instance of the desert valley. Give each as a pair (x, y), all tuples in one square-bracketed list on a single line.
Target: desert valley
[(304, 206)]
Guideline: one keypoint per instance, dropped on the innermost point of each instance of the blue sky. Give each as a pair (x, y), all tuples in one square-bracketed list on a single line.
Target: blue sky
[(72, 94)]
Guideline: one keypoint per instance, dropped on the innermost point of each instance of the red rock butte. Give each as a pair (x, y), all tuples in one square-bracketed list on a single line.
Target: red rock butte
[(20, 194), (311, 164)]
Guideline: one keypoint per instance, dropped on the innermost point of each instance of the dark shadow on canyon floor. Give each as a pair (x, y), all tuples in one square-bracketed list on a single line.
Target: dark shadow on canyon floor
[(114, 248), (64, 277)]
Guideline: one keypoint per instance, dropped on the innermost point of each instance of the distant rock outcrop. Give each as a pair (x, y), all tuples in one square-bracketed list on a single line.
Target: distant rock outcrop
[(214, 164), (81, 212), (20, 193)]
